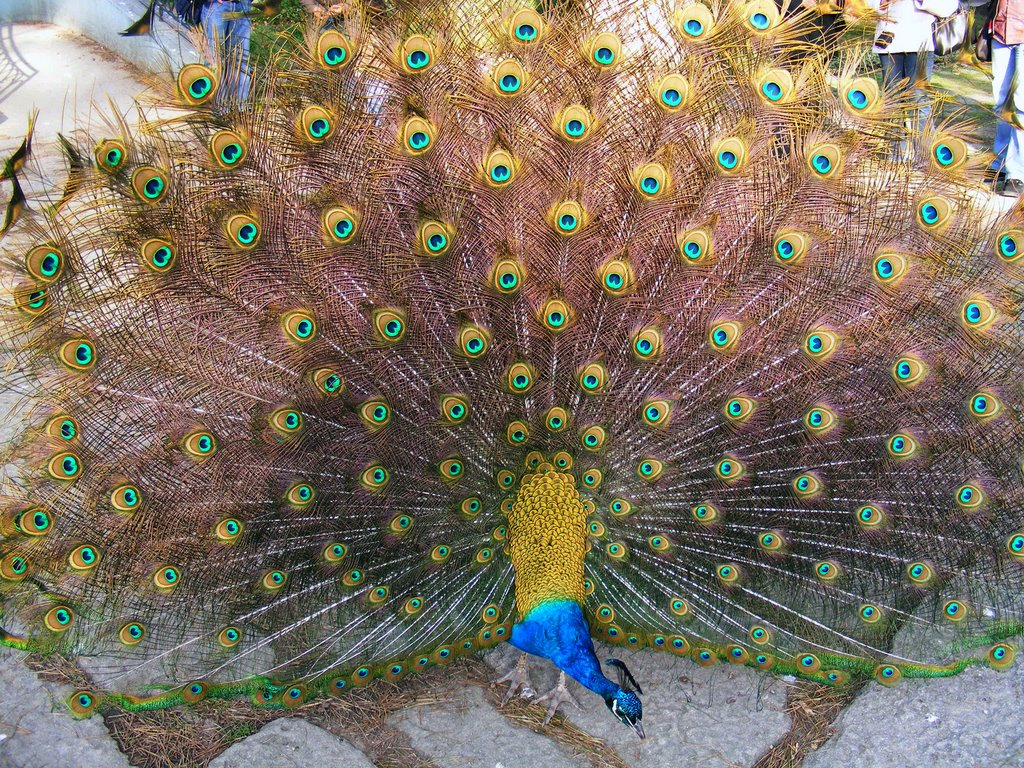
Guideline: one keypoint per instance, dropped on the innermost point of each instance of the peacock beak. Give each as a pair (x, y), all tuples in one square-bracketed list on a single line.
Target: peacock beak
[(639, 728)]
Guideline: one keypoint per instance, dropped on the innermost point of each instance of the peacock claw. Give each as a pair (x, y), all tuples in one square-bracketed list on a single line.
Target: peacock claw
[(556, 697), (518, 679)]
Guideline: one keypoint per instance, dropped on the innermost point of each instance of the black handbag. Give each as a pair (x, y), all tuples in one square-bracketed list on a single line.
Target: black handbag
[(983, 42)]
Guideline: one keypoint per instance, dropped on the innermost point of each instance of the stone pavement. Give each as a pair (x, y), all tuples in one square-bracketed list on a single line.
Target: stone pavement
[(718, 717)]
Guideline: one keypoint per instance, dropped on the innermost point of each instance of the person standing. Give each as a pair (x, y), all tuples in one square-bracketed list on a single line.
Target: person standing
[(906, 48), (228, 28), (1007, 62)]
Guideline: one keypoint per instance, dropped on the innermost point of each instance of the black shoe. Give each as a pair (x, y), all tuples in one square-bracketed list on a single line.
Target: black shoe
[(1013, 188), (992, 176)]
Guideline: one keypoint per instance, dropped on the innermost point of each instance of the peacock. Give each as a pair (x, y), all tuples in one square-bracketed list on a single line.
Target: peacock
[(508, 322)]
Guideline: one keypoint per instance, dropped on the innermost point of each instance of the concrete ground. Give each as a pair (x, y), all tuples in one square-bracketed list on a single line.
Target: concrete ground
[(718, 717)]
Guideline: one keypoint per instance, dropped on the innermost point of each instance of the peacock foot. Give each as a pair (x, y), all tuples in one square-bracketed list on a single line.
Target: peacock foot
[(556, 697), (519, 680)]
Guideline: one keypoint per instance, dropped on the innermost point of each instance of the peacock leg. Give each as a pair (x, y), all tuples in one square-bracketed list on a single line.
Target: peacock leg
[(518, 679), (556, 697)]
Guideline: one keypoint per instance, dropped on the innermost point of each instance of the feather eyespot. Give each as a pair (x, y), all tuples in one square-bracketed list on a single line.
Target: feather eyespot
[(83, 703), (274, 580), (616, 277), (507, 277), (375, 414), (14, 567), (605, 51), (695, 246), (861, 96), (948, 153), (568, 218), (333, 50), (705, 513), (199, 445), (243, 231), (934, 212), (340, 224), (228, 530), (725, 336), (300, 495), (132, 633), (78, 354), (656, 413), (390, 325), (454, 409), (1010, 246), (434, 237), (84, 557), (158, 254), (695, 22), (63, 428), (807, 486), (374, 478), (452, 469), (1001, 655), (574, 123), (820, 420), (729, 469), (776, 86), (197, 84), (977, 314), (520, 378), (64, 466), (526, 27), (167, 578), (59, 619), (417, 55), (286, 422), (228, 149), (316, 124), (334, 552), (730, 155), (33, 522), (870, 614), (647, 343), (417, 135), (556, 419), (672, 92), (650, 469), (789, 247), (820, 344), (593, 438), (509, 78), (328, 382), (110, 155), (229, 637), (45, 263), (825, 160), (499, 169), (908, 371), (150, 184)]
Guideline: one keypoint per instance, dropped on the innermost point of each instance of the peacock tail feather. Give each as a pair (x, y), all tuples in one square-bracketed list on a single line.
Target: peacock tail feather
[(635, 284)]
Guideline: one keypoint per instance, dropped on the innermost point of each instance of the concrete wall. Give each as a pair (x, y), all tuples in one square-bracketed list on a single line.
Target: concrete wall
[(101, 20)]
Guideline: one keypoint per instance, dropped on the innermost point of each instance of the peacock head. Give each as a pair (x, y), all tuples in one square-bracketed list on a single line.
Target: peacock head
[(625, 703)]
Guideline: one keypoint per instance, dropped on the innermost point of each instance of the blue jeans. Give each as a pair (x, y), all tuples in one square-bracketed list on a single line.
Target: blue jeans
[(229, 40), (1009, 144), (900, 72)]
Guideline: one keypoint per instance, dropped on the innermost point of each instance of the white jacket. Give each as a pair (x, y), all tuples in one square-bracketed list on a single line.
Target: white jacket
[(910, 22)]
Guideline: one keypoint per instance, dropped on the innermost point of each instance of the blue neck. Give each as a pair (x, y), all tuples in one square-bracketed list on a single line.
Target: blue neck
[(556, 630)]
